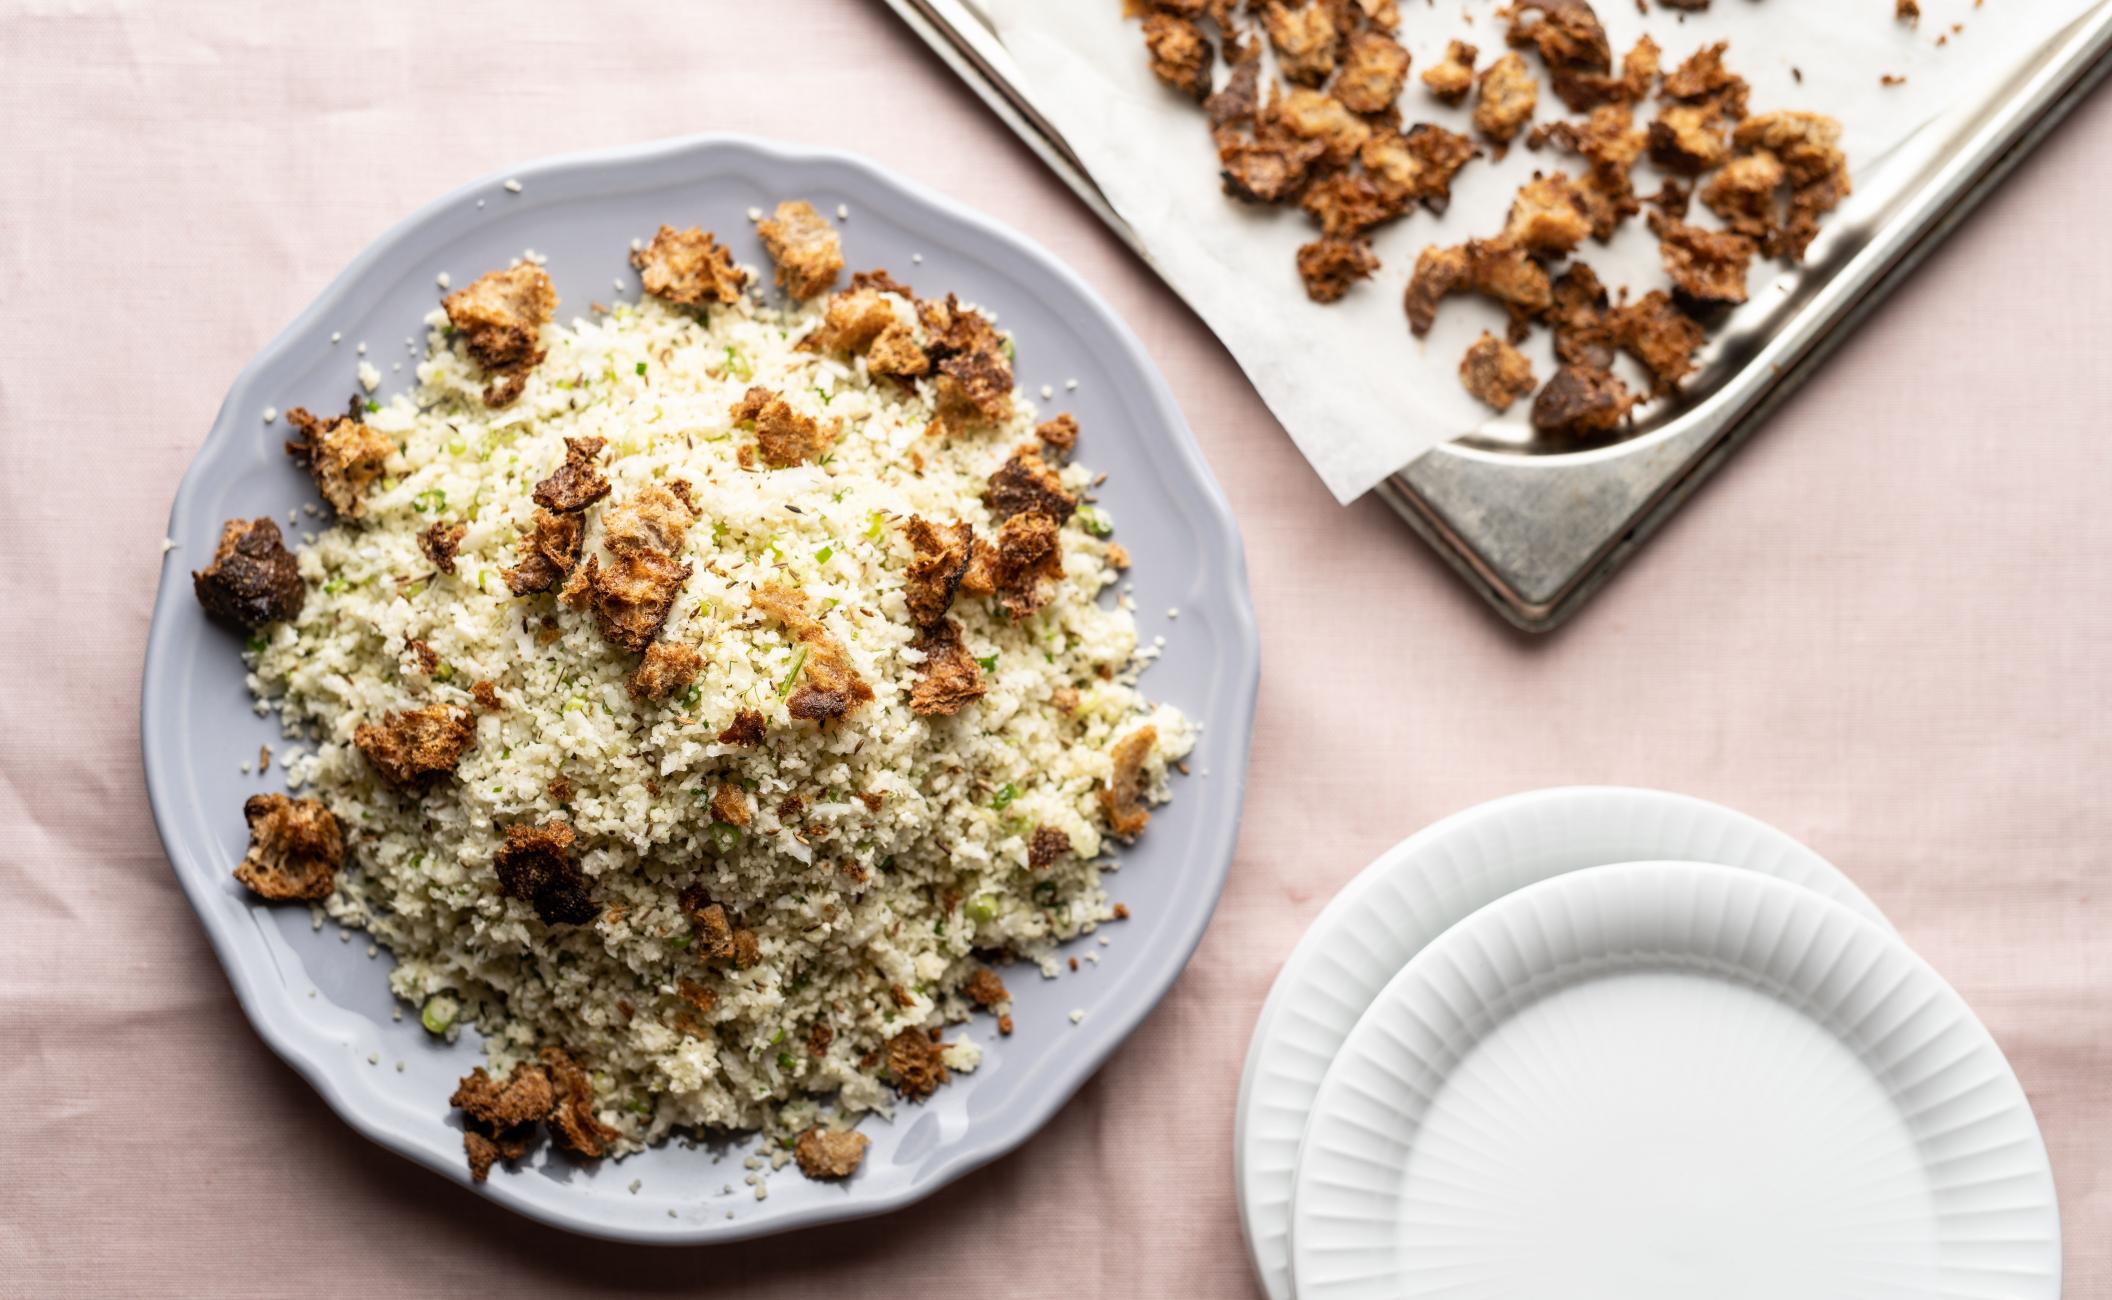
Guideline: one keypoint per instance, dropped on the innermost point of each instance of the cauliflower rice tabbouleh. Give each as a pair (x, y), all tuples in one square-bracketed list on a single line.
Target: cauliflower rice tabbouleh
[(705, 691)]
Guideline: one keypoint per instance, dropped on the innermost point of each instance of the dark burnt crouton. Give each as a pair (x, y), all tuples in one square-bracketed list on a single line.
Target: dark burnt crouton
[(535, 866), (1509, 94), (253, 579), (525, 1097), (342, 455), (632, 596), (295, 849), (1059, 434), (949, 678), (784, 436), (1180, 53), (1571, 43), (729, 804), (878, 279), (1494, 268), (1122, 798), (573, 1123), (895, 353), (1240, 98), (986, 989), (1046, 848), (746, 729), (417, 747), (1372, 73), (548, 553), (1304, 38), (1026, 484), (808, 253), (916, 1064), (1453, 77), (829, 685), (664, 670), (938, 558), (688, 268), (485, 1151), (500, 317), (975, 375), (1496, 373), (1808, 147), (1330, 267), (440, 542), (1708, 267), (1579, 402), (1025, 552), (823, 1154), (1583, 335), (1659, 335), (577, 483), (1547, 219)]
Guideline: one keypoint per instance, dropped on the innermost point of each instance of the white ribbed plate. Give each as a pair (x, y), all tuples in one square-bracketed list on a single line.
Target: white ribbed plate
[(1412, 894), (1663, 1081)]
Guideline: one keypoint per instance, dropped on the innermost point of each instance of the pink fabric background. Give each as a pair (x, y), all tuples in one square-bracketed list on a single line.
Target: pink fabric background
[(1884, 629)]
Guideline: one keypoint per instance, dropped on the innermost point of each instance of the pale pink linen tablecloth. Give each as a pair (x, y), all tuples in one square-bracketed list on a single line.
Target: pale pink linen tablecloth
[(1883, 628)]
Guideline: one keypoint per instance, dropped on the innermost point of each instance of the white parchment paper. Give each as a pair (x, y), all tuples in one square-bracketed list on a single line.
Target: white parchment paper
[(1356, 391)]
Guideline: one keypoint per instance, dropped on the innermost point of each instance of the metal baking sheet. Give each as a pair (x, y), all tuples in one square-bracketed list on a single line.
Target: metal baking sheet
[(1536, 531)]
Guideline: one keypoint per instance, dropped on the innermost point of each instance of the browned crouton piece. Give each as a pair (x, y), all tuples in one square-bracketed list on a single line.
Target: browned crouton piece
[(688, 268), (500, 317), (986, 988), (1659, 335), (1239, 99), (295, 849), (824, 1154), (1418, 166), (342, 455), (746, 729), (1496, 373), (1345, 205), (1703, 77), (938, 559), (806, 248), (853, 319), (536, 866), (729, 804), (1180, 53), (1268, 166), (632, 596), (949, 678), (1330, 267), (1024, 484), (1046, 848), (1122, 798), (253, 579), (1509, 94), (1743, 193), (1808, 147), (783, 435), (1494, 268), (577, 483), (573, 1123), (975, 375), (1583, 334), (664, 670), (1059, 434), (1580, 401), (709, 925), (916, 1063), (416, 747), (487, 697), (1689, 138), (1708, 267), (1571, 43), (1452, 78), (829, 685), (1304, 37), (1547, 218), (896, 353), (440, 542), (523, 1098), (548, 553), (1372, 73), (1320, 117)]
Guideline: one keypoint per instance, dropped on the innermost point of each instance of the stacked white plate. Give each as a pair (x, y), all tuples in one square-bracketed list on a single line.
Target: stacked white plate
[(1589, 1043)]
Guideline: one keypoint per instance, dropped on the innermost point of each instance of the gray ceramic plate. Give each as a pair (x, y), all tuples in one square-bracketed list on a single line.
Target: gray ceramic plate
[(323, 1004)]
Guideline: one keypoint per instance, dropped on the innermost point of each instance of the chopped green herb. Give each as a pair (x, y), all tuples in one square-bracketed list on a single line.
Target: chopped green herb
[(726, 835), (737, 365), (415, 589), (777, 1038), (983, 909), (638, 1106), (1011, 352), (388, 483), (444, 673), (335, 586), (988, 662), (873, 526), (373, 405), (257, 645), (799, 661), (1006, 793), (1045, 892), (785, 1062), (439, 1014), (691, 696), (938, 927), (1095, 521), (679, 942), (641, 367), (456, 446), (822, 556)]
